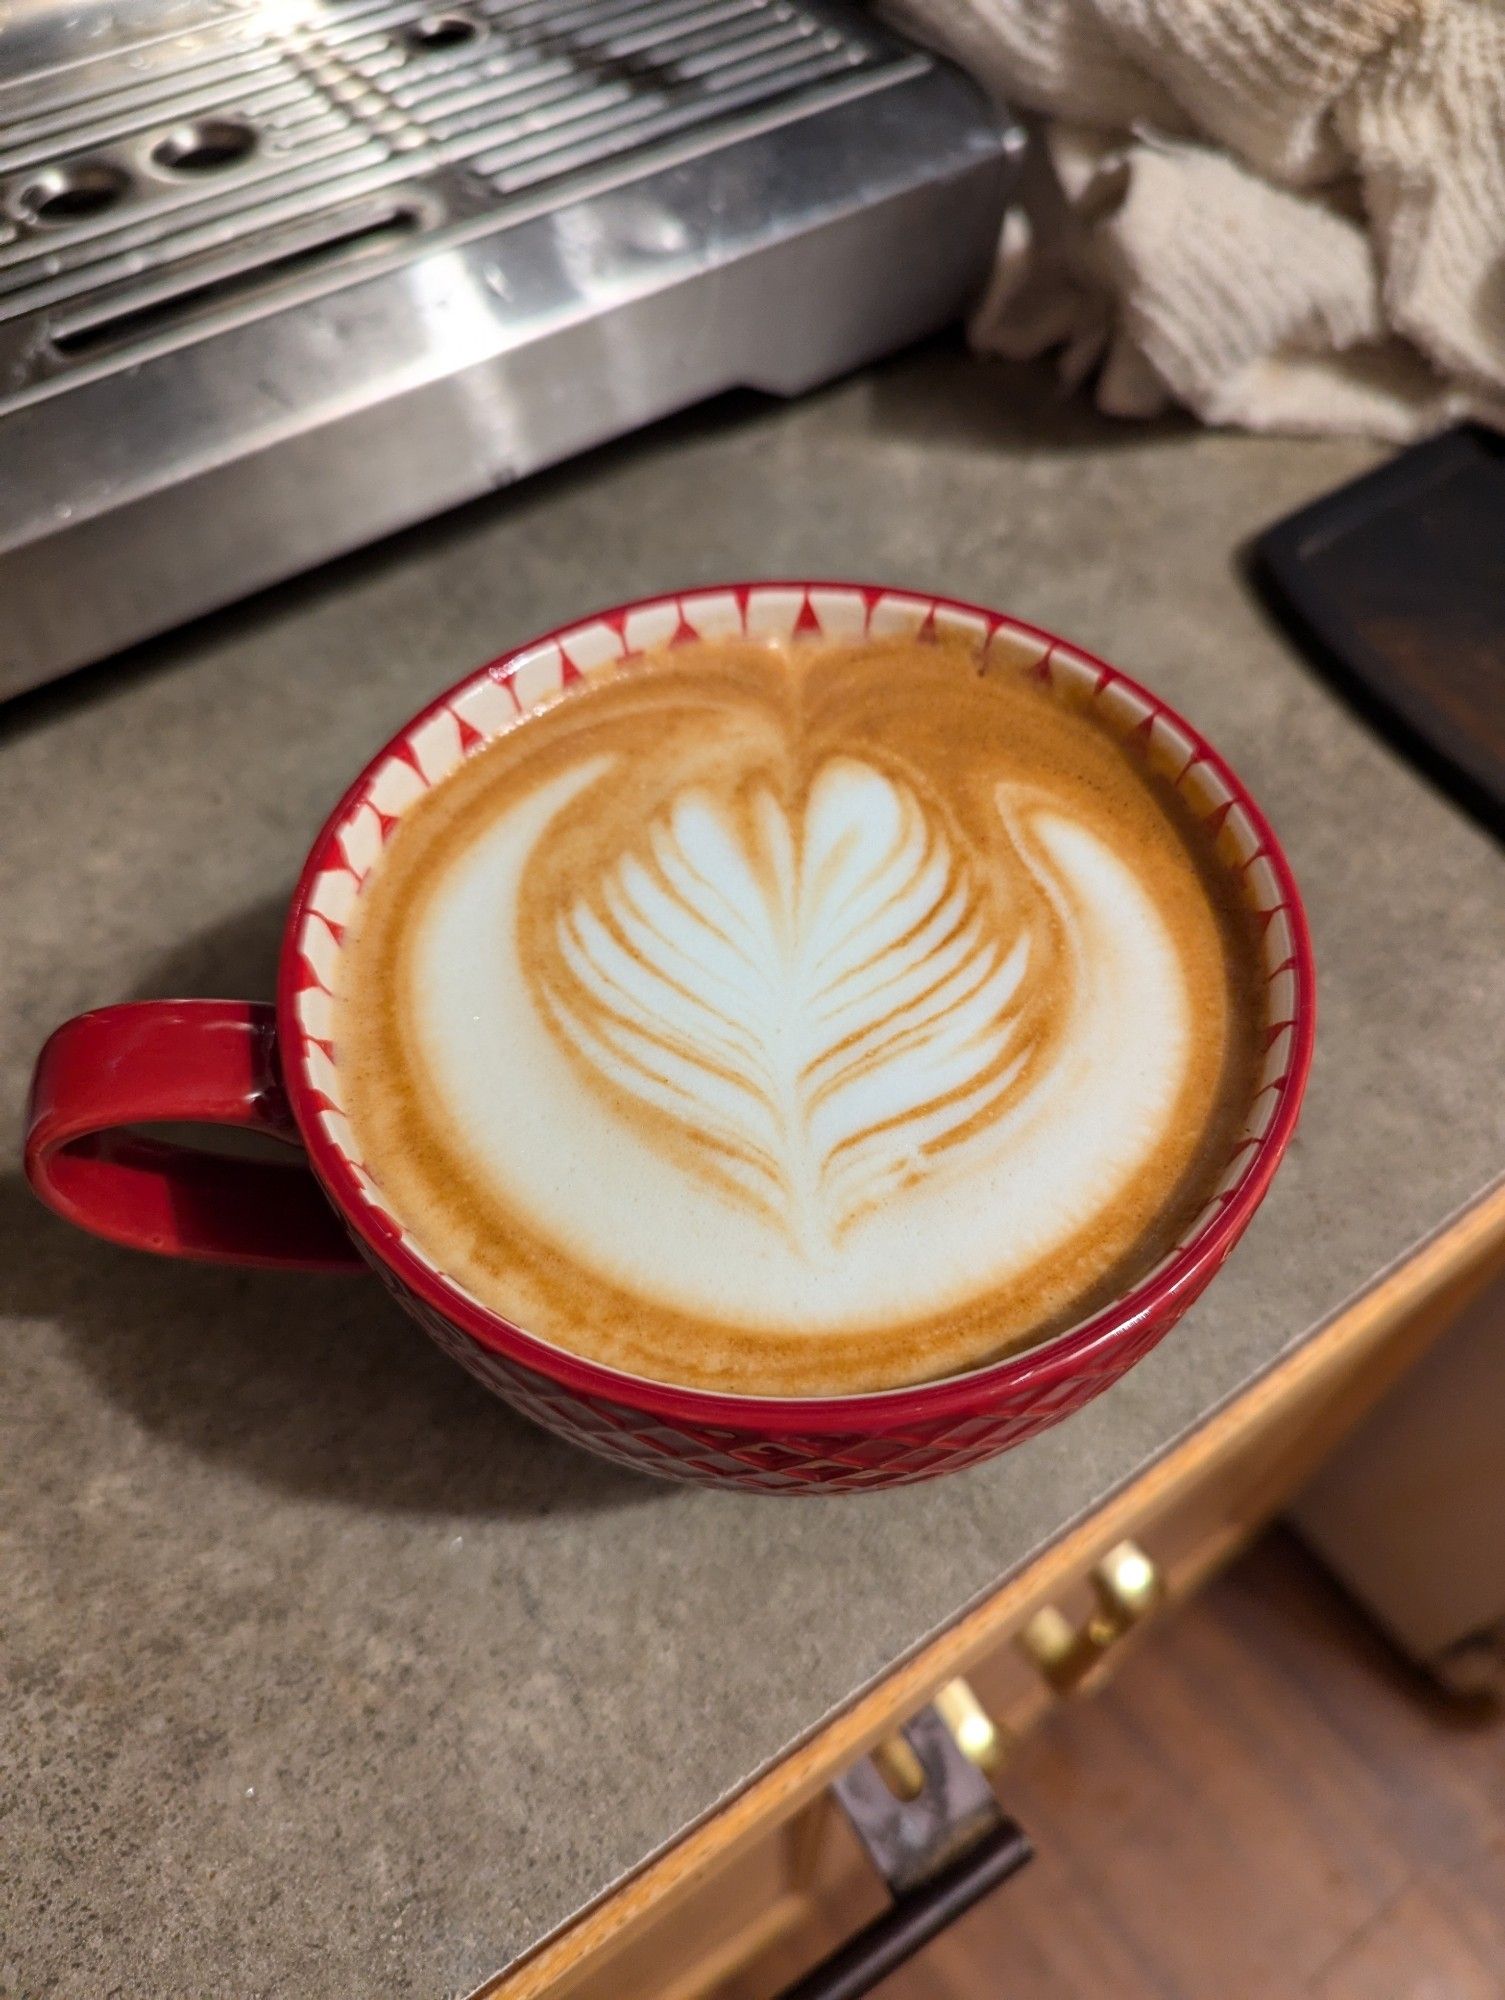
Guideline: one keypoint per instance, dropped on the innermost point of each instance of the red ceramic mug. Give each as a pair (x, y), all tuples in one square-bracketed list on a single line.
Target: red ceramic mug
[(105, 1075)]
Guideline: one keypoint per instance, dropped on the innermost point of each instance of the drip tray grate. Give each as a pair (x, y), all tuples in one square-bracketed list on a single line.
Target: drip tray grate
[(200, 129)]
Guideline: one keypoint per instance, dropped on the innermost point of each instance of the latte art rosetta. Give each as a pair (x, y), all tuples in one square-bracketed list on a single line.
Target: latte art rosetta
[(825, 1010), (792, 1018)]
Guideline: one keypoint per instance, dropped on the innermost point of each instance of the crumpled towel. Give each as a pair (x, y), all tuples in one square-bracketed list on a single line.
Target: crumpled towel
[(1282, 214)]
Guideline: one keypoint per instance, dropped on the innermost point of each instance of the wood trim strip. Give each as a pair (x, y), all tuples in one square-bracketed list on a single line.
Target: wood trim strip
[(549, 1969)]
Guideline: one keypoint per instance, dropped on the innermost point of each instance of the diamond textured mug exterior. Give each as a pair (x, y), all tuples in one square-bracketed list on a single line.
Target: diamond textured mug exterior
[(276, 1069)]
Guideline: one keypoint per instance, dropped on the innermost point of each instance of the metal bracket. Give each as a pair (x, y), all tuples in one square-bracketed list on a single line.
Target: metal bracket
[(909, 1840), (934, 1832)]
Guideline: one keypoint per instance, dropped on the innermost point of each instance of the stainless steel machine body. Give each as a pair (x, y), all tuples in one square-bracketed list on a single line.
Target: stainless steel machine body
[(280, 276)]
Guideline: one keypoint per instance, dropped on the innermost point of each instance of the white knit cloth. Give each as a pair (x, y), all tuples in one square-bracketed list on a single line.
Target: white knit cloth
[(1283, 214)]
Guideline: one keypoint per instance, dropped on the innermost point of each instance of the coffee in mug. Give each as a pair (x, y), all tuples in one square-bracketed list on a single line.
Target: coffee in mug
[(799, 1018)]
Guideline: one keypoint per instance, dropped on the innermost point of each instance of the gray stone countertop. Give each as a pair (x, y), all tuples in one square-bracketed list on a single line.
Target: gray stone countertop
[(328, 1674)]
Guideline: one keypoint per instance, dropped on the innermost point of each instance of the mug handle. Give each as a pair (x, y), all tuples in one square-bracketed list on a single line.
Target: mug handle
[(210, 1062)]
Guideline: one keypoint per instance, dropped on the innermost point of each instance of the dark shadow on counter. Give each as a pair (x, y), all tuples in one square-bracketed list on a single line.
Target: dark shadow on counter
[(1004, 409), (316, 1385)]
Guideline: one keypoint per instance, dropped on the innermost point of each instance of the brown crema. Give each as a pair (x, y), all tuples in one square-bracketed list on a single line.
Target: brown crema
[(815, 968)]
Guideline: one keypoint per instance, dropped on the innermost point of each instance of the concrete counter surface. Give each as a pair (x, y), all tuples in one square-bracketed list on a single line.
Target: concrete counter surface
[(328, 1674)]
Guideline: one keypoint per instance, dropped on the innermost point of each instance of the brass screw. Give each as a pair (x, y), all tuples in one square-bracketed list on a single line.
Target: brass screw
[(977, 1734), (1127, 1587)]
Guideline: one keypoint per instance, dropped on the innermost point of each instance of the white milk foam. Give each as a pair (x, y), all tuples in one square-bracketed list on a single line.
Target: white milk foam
[(784, 1075)]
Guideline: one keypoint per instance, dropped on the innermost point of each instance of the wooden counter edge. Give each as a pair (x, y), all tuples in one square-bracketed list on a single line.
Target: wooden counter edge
[(1441, 1261)]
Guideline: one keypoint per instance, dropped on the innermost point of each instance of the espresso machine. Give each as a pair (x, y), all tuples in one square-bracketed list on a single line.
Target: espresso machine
[(280, 276)]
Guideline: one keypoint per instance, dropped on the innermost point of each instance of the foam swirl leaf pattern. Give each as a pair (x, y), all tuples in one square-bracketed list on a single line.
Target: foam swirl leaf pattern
[(824, 1016), (794, 1016)]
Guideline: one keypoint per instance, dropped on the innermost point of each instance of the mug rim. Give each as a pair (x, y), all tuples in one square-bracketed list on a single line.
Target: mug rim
[(1035, 1369)]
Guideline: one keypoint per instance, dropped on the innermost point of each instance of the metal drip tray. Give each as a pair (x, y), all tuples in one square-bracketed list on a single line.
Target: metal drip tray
[(278, 277)]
